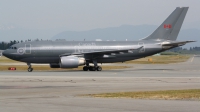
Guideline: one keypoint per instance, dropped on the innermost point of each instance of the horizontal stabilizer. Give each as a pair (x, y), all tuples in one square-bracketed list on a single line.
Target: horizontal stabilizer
[(177, 43)]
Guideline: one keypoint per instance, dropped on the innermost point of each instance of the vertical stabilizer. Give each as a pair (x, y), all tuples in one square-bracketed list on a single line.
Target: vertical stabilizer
[(170, 28)]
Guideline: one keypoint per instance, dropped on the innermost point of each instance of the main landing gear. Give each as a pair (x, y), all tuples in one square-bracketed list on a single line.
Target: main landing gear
[(92, 68), (29, 67)]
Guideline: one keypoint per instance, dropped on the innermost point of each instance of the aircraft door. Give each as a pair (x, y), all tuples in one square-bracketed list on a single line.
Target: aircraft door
[(27, 48), (142, 50)]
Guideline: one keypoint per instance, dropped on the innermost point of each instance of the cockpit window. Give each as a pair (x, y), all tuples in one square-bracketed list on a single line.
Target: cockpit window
[(12, 48)]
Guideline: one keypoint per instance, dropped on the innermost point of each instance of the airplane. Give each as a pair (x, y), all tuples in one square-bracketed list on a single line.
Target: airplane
[(71, 54)]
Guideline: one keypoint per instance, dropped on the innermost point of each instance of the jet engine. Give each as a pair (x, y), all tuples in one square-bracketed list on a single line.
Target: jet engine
[(71, 61)]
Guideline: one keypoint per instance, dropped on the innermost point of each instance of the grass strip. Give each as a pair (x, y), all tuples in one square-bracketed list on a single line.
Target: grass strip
[(7, 60), (162, 59), (191, 94)]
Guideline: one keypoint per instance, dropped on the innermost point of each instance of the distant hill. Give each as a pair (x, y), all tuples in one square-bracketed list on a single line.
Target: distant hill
[(190, 34), (125, 32), (113, 33), (122, 33), (25, 34)]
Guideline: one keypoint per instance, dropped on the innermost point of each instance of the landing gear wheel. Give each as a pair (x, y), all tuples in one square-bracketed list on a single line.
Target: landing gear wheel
[(85, 68), (30, 69), (98, 68), (91, 68)]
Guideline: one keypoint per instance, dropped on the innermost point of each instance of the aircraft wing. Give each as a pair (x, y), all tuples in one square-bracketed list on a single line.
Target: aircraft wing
[(108, 51), (176, 43), (104, 52)]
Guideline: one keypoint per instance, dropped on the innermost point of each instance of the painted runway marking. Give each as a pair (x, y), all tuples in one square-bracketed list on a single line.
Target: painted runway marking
[(192, 59)]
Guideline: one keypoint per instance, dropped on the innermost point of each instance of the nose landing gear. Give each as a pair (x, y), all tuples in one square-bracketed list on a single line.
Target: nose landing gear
[(29, 67)]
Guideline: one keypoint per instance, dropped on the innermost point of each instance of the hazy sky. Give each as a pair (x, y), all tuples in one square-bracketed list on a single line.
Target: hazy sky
[(90, 14)]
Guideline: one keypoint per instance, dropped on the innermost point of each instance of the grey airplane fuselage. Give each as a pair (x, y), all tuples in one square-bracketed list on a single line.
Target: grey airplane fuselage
[(71, 54), (50, 51)]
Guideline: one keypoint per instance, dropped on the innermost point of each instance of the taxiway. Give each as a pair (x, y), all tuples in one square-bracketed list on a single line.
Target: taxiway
[(51, 91)]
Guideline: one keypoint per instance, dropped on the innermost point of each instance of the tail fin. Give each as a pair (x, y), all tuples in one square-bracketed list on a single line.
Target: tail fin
[(170, 28)]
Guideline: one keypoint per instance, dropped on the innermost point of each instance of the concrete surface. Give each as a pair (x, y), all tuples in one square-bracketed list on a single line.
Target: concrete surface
[(57, 91)]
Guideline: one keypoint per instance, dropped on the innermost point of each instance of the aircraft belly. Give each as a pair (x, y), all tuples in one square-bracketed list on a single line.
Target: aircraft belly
[(111, 60), (41, 60)]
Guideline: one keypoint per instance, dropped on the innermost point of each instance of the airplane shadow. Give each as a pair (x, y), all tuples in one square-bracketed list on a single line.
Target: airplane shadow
[(122, 70)]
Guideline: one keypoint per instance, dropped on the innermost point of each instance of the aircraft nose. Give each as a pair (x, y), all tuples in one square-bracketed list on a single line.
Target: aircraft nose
[(5, 53), (9, 54)]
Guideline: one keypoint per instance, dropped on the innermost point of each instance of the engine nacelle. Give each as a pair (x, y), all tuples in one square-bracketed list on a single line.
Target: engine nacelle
[(54, 65), (71, 61)]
